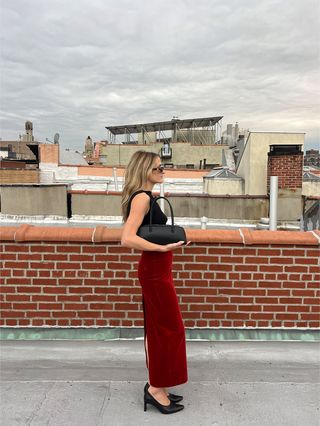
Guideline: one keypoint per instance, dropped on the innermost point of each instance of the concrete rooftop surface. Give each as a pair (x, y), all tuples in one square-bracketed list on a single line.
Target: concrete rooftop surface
[(89, 383)]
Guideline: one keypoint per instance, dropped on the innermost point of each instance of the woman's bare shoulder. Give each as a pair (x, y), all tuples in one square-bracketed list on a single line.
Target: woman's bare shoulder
[(140, 197)]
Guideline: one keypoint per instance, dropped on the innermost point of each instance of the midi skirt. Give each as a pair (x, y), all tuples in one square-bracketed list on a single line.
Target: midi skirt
[(164, 334)]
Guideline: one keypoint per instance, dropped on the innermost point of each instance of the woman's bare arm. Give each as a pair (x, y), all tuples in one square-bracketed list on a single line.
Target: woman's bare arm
[(139, 208)]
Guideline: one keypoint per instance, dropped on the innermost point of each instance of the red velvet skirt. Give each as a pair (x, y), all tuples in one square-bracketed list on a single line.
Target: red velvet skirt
[(163, 325)]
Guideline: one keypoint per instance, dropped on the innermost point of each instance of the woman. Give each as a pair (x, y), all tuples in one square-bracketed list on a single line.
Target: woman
[(164, 335)]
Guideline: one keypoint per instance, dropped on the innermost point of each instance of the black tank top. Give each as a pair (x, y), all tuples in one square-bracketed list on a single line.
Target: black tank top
[(158, 217)]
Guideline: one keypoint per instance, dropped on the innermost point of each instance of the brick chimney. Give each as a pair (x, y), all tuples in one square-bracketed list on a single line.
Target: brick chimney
[(49, 153), (286, 162)]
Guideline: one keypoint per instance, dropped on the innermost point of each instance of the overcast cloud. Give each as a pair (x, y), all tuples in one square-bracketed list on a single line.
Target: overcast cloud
[(74, 67)]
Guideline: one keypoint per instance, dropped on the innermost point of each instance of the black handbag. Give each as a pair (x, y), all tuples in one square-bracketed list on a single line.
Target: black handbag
[(162, 234)]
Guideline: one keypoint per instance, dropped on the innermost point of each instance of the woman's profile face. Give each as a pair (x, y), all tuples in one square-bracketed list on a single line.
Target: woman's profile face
[(156, 174)]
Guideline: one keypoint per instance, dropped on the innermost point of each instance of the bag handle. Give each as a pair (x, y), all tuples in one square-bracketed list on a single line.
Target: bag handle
[(171, 211)]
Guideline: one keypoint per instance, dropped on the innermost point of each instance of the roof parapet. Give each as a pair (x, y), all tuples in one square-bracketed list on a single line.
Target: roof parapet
[(102, 234)]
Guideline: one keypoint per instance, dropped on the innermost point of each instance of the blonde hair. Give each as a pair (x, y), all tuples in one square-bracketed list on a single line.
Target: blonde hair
[(136, 176)]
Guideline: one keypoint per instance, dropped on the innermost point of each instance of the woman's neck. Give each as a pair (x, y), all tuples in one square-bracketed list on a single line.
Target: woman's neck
[(147, 187)]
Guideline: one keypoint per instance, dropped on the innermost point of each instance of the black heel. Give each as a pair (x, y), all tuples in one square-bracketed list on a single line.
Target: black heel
[(171, 396), (164, 409)]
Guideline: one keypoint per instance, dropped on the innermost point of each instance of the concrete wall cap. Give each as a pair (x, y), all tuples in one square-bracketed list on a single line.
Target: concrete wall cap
[(102, 234)]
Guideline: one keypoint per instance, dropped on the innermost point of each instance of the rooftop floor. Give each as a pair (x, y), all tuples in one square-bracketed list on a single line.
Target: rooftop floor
[(101, 383)]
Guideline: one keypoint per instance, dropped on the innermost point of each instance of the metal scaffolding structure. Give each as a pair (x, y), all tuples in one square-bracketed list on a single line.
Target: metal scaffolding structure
[(197, 131)]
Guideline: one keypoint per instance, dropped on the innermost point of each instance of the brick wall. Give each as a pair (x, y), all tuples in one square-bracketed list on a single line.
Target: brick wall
[(288, 168), (49, 153), (71, 277), (19, 176)]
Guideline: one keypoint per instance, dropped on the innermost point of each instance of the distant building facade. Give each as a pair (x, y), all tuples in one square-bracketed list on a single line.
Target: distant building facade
[(188, 143), (312, 158)]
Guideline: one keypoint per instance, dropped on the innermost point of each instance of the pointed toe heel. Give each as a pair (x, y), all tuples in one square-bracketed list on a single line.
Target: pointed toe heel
[(171, 396), (164, 409)]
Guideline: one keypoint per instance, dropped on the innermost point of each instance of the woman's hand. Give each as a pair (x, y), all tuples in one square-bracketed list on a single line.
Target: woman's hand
[(173, 246)]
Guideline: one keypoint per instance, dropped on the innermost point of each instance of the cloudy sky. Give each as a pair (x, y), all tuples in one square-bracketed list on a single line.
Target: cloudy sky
[(74, 67)]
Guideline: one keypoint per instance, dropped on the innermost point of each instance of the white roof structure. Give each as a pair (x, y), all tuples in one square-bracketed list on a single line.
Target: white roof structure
[(221, 173), (69, 157)]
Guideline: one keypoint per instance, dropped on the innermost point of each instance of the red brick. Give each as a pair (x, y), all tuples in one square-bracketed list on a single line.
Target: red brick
[(122, 298), (239, 300), (68, 249), (281, 260), (69, 274), (114, 314), (219, 267), (126, 306), (244, 284), (259, 260), (68, 265), (16, 265), (54, 290), (100, 306), (278, 292), (311, 300), (44, 281), (16, 248), (118, 265), (82, 290), (39, 314), (80, 258), (18, 281), (71, 281), (255, 308), (8, 289), (274, 308), (197, 250), (298, 308), (10, 256), (296, 269), (261, 316), (50, 306), (269, 252), (286, 316), (236, 315), (201, 323), (193, 299), (24, 306), (12, 314), (293, 284), (115, 258), (31, 289), (269, 284), (18, 297), (217, 299), (201, 307), (29, 256), (196, 283), (231, 259), (18, 273), (43, 298), (225, 308), (60, 257), (41, 249), (119, 250), (263, 300), (246, 268), (94, 249), (65, 314)]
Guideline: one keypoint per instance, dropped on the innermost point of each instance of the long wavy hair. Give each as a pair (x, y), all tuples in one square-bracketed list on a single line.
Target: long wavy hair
[(136, 176)]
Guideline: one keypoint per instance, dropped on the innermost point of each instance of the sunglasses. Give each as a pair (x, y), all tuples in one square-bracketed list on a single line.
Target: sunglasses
[(159, 168)]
